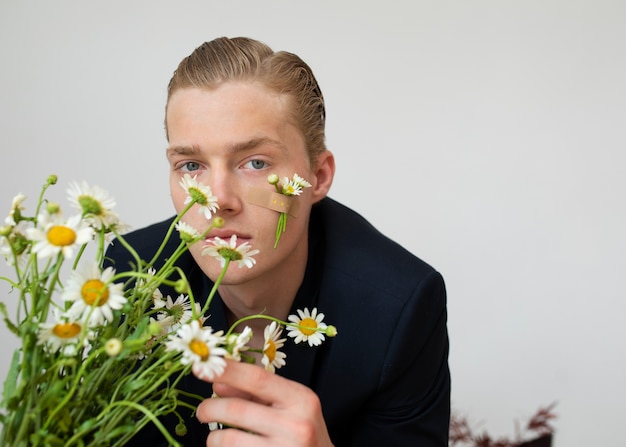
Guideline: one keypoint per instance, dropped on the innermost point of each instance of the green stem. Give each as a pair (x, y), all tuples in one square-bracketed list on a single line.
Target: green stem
[(215, 286)]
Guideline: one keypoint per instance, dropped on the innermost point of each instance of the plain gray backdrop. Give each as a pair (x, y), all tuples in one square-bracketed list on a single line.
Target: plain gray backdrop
[(485, 136)]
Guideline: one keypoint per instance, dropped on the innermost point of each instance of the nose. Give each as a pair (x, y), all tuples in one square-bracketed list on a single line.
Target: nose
[(225, 187)]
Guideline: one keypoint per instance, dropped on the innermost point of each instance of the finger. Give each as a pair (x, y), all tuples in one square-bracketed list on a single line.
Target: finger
[(236, 438), (240, 413), (263, 385), (223, 390)]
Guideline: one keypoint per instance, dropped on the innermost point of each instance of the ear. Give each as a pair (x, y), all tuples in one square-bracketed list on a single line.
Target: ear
[(324, 172)]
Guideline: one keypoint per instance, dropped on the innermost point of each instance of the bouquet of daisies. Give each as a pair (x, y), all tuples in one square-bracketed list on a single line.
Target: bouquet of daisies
[(96, 344)]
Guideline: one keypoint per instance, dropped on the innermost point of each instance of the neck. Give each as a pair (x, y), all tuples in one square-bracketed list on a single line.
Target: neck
[(271, 294)]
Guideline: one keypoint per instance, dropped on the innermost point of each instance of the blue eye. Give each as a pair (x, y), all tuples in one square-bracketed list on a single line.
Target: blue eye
[(190, 166), (256, 164)]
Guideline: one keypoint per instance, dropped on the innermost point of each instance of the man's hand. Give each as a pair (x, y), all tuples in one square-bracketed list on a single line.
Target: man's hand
[(269, 410)]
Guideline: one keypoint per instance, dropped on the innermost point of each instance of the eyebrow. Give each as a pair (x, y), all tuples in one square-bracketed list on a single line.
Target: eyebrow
[(231, 148)]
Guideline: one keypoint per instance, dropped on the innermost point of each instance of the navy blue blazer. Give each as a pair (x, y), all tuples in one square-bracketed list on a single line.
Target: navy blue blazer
[(384, 380)]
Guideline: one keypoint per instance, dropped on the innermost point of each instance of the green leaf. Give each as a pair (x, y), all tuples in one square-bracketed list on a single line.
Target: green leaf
[(10, 382), (7, 321)]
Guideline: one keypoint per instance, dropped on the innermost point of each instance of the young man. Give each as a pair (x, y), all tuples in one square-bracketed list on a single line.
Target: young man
[(237, 112)]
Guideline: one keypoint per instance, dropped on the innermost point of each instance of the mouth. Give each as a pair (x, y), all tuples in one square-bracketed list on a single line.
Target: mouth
[(226, 235)]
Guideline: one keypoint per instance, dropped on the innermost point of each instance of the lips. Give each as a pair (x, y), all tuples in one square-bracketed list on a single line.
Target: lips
[(226, 235)]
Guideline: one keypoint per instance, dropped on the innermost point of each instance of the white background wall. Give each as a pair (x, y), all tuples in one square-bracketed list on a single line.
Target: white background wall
[(488, 137)]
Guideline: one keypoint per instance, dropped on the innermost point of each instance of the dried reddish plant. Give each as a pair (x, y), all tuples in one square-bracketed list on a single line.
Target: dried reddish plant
[(462, 435)]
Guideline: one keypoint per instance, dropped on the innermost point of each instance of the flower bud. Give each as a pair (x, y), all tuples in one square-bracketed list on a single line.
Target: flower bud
[(331, 331), (53, 208), (5, 230), (273, 179), (181, 429), (181, 286), (113, 347), (218, 222), (52, 179), (154, 328)]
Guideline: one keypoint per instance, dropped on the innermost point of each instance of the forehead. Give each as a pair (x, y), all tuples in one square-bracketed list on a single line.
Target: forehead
[(231, 113)]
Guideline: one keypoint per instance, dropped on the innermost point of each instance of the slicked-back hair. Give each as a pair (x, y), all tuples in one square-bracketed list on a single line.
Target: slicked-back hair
[(244, 59)]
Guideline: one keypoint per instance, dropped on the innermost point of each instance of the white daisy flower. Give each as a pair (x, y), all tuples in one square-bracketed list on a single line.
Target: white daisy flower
[(92, 294), (201, 347), (147, 285), (5, 249), (187, 233), (273, 358), (64, 334), (294, 186), (200, 194), (222, 250), (238, 343), (53, 235), (16, 209), (95, 204), (308, 326), (174, 313), (300, 181)]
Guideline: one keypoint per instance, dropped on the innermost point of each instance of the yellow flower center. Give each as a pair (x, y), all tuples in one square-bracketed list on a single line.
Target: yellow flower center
[(308, 323), (94, 291), (61, 236), (270, 351), (200, 348), (66, 330)]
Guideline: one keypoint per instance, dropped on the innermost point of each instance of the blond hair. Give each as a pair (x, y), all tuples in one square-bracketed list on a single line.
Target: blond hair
[(244, 59)]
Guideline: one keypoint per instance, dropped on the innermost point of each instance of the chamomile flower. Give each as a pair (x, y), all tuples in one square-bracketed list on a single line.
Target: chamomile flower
[(200, 194), (238, 343), (223, 250), (294, 186), (5, 249), (92, 294), (309, 327), (63, 334), (272, 357), (54, 235), (95, 204), (200, 347), (174, 313), (16, 210), (187, 233)]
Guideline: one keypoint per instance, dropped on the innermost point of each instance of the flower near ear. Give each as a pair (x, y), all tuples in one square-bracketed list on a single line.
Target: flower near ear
[(92, 294), (200, 194), (54, 235), (307, 326), (200, 347), (228, 250), (95, 204), (272, 357), (293, 187)]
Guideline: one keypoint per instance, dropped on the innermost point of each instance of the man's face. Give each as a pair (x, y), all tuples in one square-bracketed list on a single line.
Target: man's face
[(232, 138)]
